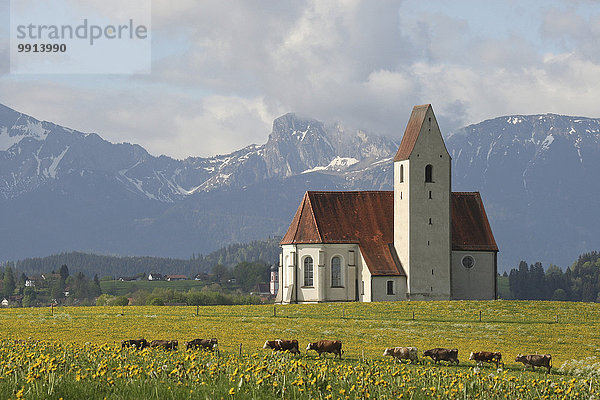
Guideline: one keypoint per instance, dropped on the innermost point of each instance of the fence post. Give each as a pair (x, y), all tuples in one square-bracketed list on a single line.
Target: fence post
[(479, 315), (557, 318), (413, 315), (274, 311), (240, 349), (197, 309)]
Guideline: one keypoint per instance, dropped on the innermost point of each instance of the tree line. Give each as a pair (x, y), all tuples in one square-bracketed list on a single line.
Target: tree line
[(223, 285), (580, 281), (116, 266), (57, 287)]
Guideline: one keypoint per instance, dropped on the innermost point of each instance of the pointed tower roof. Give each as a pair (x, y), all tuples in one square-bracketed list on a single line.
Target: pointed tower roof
[(413, 128)]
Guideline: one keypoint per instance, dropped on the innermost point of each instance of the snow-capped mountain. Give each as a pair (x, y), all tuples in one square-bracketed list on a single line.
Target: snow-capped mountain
[(538, 178), (62, 189), (65, 190)]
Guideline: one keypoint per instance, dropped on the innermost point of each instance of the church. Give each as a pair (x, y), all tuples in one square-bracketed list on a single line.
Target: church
[(420, 241)]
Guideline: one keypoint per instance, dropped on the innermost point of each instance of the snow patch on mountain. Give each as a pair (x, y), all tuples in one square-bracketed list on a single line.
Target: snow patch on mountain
[(6, 141), (54, 165), (337, 164)]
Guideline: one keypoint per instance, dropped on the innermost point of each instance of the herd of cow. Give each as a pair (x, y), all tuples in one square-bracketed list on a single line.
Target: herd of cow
[(335, 347), (451, 356), (170, 344)]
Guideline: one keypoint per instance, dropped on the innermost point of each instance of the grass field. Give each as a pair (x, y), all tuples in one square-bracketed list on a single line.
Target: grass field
[(80, 339), (121, 288)]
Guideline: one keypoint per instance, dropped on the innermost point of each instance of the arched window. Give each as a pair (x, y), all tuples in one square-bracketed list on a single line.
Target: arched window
[(336, 272), (308, 271), (401, 173), (429, 173)]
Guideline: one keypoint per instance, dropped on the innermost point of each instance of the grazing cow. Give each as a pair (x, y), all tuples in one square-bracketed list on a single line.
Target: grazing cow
[(486, 356), (402, 353), (209, 344), (535, 360), (166, 344), (326, 346), (439, 354), (135, 343), (283, 345)]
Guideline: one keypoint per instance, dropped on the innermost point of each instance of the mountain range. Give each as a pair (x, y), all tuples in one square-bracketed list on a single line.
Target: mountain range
[(63, 190)]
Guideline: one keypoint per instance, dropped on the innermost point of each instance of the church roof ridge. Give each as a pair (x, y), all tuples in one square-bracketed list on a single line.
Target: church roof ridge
[(411, 133)]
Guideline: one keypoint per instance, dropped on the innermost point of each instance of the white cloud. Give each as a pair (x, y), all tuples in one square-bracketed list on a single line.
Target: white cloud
[(224, 70)]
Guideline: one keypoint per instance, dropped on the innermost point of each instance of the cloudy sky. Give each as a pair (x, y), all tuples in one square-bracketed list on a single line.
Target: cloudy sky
[(223, 70)]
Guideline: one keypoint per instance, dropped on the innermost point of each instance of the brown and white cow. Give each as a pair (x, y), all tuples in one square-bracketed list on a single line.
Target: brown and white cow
[(209, 344), (535, 360), (166, 344), (283, 345), (135, 343), (326, 346), (402, 353), (486, 356), (440, 354)]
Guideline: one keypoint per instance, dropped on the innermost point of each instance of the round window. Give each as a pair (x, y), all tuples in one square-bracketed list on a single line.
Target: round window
[(468, 262)]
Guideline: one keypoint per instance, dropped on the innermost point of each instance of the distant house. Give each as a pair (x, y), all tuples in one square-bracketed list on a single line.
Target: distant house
[(127, 278), (262, 289), (176, 277), (4, 302), (29, 283), (203, 276), (50, 277), (15, 300), (155, 277), (274, 284)]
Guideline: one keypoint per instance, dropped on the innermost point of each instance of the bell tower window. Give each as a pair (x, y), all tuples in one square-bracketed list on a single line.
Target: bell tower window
[(401, 173), (429, 173)]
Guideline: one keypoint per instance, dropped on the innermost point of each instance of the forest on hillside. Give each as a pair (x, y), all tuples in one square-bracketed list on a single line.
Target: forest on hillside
[(579, 282), (266, 251)]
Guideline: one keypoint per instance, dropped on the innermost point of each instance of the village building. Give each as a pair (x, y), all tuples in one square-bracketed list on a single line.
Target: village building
[(153, 276), (176, 278), (420, 241), (274, 282)]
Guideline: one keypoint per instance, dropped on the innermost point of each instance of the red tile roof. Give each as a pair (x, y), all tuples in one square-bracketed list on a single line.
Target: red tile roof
[(470, 227), (364, 218), (417, 117), (367, 219)]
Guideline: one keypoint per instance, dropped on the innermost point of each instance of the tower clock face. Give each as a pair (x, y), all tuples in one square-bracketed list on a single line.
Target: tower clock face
[(468, 261)]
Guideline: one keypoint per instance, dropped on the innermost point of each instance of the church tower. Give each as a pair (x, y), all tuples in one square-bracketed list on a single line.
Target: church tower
[(422, 185)]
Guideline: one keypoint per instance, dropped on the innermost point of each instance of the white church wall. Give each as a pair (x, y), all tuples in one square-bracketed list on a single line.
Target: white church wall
[(364, 286), (476, 280), (380, 288), (293, 286)]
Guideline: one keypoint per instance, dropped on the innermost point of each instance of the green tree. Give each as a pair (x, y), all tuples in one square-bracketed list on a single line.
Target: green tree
[(121, 301), (156, 301), (221, 273), (104, 300), (559, 295), (64, 272), (29, 297), (9, 281), (96, 290), (57, 290)]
